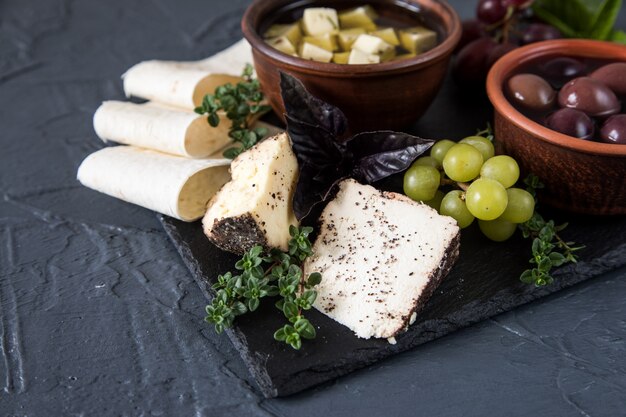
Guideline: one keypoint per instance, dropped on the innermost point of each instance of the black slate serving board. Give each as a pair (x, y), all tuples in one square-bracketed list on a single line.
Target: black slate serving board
[(483, 283)]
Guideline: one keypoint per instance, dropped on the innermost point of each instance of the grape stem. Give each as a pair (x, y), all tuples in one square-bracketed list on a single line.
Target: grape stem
[(506, 23), (462, 185)]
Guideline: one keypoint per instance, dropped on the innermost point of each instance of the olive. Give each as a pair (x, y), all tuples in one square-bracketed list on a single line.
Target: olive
[(590, 96), (531, 91), (572, 123), (614, 130), (613, 76), (561, 70)]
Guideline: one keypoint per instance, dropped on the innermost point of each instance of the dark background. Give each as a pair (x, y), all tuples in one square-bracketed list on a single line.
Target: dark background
[(98, 315)]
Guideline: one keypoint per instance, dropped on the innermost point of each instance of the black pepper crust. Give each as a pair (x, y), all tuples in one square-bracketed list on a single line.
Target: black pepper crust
[(445, 266), (237, 234)]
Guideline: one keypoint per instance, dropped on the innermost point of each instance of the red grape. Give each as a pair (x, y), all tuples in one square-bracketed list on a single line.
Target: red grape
[(498, 52), (472, 30), (470, 67), (490, 11), (518, 4), (537, 32)]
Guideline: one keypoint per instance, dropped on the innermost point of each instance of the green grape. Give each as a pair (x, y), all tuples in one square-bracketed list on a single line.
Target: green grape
[(435, 202), (421, 182), (521, 206), (484, 145), (486, 199), (427, 161), (501, 168), (440, 149), (454, 206), (462, 162), (497, 230)]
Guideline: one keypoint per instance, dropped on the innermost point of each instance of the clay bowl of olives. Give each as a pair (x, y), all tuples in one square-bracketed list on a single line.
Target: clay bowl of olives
[(559, 110), (376, 86)]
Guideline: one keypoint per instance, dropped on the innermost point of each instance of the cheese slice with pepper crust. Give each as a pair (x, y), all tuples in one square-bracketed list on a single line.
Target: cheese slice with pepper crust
[(255, 207), (381, 256)]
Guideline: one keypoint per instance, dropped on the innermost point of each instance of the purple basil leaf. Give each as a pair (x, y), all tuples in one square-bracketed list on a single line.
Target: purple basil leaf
[(380, 154), (313, 144), (301, 105), (315, 184)]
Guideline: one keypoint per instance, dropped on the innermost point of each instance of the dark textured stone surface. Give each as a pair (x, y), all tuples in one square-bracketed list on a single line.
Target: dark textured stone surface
[(98, 315), (483, 283)]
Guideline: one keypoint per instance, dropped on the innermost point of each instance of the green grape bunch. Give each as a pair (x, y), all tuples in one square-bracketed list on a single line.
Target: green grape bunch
[(468, 182)]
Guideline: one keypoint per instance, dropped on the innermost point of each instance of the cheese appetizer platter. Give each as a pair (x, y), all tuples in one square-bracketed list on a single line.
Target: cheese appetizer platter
[(324, 237), (394, 273)]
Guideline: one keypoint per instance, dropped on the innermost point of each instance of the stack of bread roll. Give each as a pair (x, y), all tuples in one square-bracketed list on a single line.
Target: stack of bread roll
[(170, 158)]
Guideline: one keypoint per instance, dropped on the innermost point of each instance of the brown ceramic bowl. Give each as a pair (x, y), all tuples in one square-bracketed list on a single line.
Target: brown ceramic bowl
[(580, 176), (389, 95)]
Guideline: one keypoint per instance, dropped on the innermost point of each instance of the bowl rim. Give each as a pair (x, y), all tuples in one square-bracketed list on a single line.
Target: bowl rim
[(509, 63), (441, 51)]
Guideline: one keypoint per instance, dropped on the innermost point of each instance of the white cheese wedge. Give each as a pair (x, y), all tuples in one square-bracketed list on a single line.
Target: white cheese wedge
[(255, 207), (315, 53), (374, 45), (320, 20), (381, 256), (358, 57)]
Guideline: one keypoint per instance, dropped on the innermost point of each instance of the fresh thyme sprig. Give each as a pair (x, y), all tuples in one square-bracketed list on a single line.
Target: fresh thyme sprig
[(549, 250), (262, 275), (239, 102)]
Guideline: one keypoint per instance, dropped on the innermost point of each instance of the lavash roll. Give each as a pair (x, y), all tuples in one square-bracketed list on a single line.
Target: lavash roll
[(165, 129), (172, 185), (184, 84), (170, 130)]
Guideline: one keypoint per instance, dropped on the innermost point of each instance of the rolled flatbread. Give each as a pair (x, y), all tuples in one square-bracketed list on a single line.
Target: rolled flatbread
[(166, 129), (172, 185), (170, 130), (184, 84)]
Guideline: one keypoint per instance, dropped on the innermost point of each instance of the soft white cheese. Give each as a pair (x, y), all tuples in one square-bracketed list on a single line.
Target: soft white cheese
[(373, 45), (418, 39), (315, 53), (381, 255), (357, 57), (283, 44), (255, 207), (320, 20)]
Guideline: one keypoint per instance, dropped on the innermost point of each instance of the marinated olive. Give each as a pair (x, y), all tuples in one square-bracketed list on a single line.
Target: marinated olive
[(561, 70), (531, 91), (590, 96), (571, 122), (614, 130), (613, 76)]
